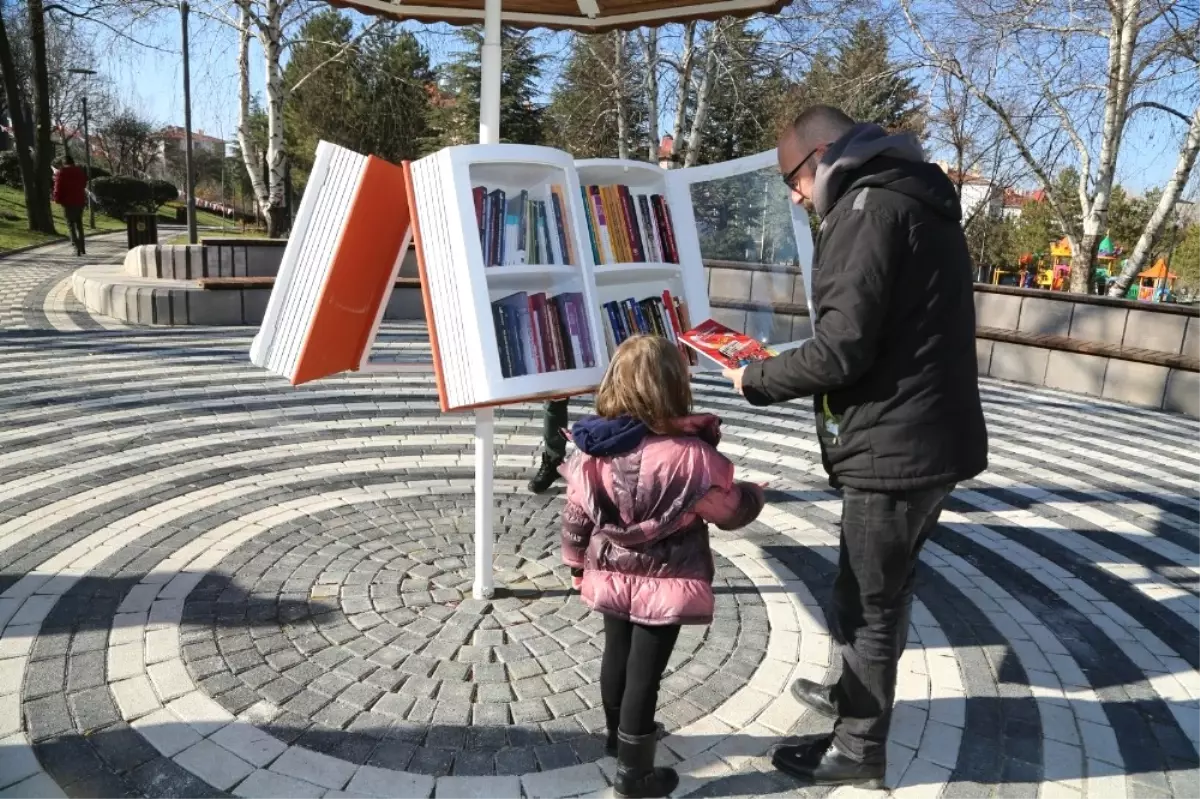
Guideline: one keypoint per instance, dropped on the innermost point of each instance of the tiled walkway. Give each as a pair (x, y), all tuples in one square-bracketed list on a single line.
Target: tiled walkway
[(214, 583)]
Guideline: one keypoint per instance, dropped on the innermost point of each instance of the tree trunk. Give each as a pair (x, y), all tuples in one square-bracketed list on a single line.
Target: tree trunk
[(619, 95), (1166, 203), (250, 155), (40, 217), (686, 62), (1083, 255), (22, 140), (272, 43), (703, 94), (651, 43)]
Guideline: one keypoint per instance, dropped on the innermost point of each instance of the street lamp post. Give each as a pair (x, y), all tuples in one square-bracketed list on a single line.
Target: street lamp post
[(87, 143), (187, 127)]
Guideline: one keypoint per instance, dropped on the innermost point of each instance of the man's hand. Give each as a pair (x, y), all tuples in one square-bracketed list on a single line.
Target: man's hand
[(735, 375)]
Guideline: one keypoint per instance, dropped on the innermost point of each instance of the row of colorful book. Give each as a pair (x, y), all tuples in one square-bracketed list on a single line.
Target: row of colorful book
[(518, 228), (538, 334), (664, 316), (624, 227)]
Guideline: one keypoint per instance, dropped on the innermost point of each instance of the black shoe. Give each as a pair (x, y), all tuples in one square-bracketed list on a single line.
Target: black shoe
[(637, 776), (818, 762), (612, 717), (547, 475), (816, 696)]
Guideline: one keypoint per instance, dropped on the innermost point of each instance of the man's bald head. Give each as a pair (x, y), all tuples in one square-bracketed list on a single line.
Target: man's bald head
[(819, 124), (802, 143)]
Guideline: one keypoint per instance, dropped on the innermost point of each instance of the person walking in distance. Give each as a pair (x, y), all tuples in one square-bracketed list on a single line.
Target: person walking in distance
[(892, 371), (70, 191), (641, 491)]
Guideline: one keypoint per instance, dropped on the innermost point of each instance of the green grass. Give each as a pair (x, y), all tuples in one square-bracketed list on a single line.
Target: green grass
[(14, 228), (15, 232)]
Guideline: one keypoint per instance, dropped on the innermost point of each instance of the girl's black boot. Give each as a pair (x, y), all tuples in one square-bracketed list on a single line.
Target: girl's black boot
[(637, 777)]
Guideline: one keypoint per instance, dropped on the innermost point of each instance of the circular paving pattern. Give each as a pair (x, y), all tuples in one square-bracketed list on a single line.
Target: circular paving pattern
[(359, 618), (213, 583)]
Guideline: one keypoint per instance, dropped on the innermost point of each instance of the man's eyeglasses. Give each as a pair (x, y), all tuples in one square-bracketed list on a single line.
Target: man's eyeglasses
[(791, 176)]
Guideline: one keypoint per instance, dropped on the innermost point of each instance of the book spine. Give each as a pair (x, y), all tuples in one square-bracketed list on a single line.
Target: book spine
[(502, 350), (477, 194), (556, 343), (648, 227), (602, 231), (546, 335), (569, 333), (670, 226), (610, 336), (544, 218), (616, 224), (535, 335), (560, 224), (579, 310), (631, 219), (591, 225), (528, 351), (614, 317), (513, 315), (655, 320), (485, 236)]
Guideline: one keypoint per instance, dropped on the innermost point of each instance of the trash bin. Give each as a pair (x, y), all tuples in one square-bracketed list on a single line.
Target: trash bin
[(141, 229), (181, 216)]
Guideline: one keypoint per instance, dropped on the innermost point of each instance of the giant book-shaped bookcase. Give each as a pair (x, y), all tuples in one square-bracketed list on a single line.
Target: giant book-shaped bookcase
[(533, 267)]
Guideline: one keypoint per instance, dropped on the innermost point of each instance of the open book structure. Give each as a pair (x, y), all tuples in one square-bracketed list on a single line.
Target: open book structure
[(533, 267)]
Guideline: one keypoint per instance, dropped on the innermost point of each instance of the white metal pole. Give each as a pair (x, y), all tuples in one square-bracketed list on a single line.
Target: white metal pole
[(485, 418)]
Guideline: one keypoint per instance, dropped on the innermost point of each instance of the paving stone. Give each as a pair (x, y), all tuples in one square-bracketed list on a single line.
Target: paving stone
[(215, 765), (270, 785), (313, 767)]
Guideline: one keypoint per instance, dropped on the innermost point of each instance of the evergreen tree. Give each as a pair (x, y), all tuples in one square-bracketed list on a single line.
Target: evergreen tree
[(603, 78), (373, 97), (863, 81), (455, 118)]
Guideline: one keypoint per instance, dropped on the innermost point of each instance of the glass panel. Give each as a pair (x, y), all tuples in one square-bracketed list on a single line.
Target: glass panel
[(748, 230)]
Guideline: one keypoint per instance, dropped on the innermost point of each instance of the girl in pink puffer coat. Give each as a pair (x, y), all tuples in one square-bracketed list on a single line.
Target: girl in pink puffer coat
[(641, 491)]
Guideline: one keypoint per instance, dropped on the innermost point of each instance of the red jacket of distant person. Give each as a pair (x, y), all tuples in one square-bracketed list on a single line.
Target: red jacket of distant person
[(70, 185)]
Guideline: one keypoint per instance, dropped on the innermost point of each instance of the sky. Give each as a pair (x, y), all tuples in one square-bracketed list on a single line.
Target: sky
[(150, 80)]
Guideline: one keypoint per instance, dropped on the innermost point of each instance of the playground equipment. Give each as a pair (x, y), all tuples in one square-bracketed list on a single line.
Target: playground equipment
[(1156, 284)]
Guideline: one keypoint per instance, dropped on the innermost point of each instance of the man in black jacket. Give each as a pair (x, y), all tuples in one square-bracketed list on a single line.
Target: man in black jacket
[(892, 372)]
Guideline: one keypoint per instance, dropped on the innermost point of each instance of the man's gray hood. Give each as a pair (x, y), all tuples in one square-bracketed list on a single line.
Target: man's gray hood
[(858, 146)]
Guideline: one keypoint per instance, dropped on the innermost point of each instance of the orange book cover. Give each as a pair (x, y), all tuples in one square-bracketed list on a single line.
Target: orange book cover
[(359, 276)]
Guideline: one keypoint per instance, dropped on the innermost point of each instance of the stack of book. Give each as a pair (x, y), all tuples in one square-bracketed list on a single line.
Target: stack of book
[(624, 227), (517, 228), (662, 316), (537, 334)]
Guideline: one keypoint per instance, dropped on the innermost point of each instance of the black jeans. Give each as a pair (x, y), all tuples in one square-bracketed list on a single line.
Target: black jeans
[(635, 657), (882, 536), (554, 419), (74, 216)]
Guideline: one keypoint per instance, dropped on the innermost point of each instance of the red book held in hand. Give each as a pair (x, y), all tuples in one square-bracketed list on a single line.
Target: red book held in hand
[(729, 348)]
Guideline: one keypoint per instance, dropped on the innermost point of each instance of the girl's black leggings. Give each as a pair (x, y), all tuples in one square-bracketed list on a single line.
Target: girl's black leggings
[(635, 657)]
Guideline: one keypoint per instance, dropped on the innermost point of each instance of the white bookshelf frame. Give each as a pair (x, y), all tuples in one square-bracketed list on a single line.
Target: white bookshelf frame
[(599, 283)]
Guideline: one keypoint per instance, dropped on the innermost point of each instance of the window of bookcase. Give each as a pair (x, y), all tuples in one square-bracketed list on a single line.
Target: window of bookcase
[(748, 221)]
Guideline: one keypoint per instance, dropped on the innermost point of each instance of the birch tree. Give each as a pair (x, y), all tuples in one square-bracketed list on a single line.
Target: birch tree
[(1186, 46), (270, 23), (1045, 58)]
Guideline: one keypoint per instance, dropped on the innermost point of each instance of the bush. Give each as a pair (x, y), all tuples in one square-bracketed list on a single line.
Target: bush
[(96, 172), (163, 192), (118, 196), (10, 170)]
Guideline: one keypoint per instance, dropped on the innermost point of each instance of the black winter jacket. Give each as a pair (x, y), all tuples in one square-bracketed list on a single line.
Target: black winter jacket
[(891, 366)]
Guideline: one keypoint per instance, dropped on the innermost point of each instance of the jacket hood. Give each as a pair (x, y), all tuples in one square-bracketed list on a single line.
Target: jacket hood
[(867, 156), (601, 437)]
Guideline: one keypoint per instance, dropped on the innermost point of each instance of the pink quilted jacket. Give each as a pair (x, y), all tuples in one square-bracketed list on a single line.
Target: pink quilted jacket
[(637, 514)]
